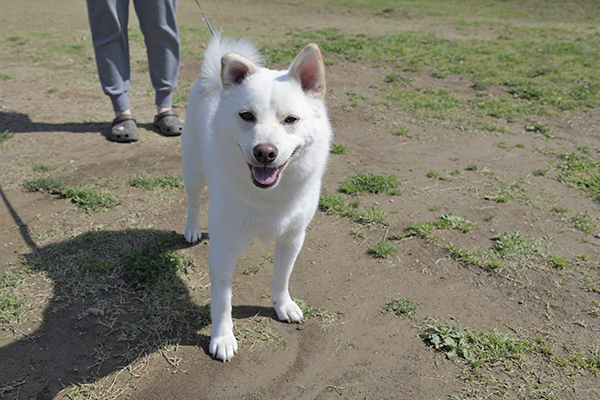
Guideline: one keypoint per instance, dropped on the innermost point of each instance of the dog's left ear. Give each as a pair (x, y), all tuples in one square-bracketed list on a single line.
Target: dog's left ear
[(308, 69)]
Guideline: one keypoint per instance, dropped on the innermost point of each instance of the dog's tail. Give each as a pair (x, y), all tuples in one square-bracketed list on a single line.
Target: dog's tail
[(216, 49)]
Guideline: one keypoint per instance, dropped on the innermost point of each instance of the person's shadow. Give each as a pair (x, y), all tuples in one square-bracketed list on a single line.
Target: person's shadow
[(21, 123), (115, 296)]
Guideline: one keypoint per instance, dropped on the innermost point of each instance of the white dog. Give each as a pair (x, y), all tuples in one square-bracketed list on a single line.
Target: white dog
[(260, 139)]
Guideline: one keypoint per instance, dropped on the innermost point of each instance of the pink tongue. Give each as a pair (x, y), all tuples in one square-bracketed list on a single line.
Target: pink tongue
[(264, 175)]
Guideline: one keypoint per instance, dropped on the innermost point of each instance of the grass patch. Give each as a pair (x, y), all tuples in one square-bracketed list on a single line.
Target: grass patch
[(251, 270), (582, 222), (152, 266), (580, 171), (402, 308), (436, 176), (90, 199), (142, 181), (338, 149), (309, 312), (86, 198), (403, 131), (373, 215), (382, 249), (426, 229), (256, 330), (334, 204), (42, 168), (484, 354), (511, 250), (44, 185), (507, 190), (5, 136), (137, 277), (371, 183), (11, 302), (398, 80)]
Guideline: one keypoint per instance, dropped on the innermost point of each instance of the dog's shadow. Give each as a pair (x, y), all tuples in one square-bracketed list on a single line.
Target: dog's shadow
[(113, 297)]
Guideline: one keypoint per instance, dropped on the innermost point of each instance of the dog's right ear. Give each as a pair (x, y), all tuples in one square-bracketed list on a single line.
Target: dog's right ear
[(235, 68)]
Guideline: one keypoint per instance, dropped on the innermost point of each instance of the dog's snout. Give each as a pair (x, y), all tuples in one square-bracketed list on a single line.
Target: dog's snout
[(265, 153)]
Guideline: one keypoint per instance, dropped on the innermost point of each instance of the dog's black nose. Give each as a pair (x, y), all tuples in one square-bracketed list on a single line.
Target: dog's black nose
[(265, 153)]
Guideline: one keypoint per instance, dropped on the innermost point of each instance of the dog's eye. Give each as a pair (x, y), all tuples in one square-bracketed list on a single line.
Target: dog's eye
[(290, 119), (247, 116)]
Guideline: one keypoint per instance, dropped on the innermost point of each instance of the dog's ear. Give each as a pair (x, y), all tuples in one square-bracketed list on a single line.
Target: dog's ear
[(235, 68), (308, 69)]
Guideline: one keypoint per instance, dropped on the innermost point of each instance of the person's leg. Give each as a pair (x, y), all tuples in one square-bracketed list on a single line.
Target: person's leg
[(158, 23), (108, 24)]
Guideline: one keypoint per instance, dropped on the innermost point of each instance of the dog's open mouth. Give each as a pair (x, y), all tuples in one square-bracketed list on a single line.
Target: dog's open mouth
[(266, 177)]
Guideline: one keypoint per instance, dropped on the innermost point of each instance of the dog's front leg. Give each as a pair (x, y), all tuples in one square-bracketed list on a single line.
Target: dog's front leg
[(222, 258), (287, 248)]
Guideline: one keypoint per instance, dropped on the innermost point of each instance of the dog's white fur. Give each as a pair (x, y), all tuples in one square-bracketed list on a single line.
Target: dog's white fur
[(235, 106)]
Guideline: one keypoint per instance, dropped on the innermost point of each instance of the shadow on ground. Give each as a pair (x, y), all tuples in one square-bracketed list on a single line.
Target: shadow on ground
[(114, 297), (21, 123)]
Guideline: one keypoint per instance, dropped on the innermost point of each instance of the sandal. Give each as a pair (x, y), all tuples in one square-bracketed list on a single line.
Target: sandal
[(124, 129), (168, 123)]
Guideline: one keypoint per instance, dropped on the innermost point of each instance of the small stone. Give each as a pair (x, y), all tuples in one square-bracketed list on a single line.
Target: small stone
[(95, 312)]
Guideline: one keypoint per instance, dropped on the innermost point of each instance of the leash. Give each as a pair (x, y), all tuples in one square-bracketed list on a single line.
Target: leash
[(206, 19)]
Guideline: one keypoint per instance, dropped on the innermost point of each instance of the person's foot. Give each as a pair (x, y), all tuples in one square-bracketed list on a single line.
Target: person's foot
[(124, 128), (167, 122)]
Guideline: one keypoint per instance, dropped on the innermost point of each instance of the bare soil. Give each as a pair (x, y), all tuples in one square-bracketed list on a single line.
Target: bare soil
[(60, 116)]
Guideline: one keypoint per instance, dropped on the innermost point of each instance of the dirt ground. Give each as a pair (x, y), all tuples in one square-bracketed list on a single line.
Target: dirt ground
[(59, 117)]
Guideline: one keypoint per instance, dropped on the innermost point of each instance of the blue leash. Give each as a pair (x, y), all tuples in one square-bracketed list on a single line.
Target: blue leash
[(206, 19)]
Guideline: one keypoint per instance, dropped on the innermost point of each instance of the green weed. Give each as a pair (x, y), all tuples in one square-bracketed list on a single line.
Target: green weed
[(437, 176), (339, 149), (396, 79), (44, 185), (86, 198), (151, 266), (594, 309), (382, 249), (90, 199), (426, 229), (510, 250), (332, 204), (580, 171), (371, 183), (142, 181), (403, 131), (5, 136), (11, 303), (402, 308), (373, 215), (251, 270), (43, 168), (309, 312), (582, 222)]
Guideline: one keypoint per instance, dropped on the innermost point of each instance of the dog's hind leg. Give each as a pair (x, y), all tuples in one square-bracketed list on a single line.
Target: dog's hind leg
[(287, 248)]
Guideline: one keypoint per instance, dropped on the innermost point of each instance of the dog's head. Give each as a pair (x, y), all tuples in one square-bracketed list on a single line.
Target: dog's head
[(275, 116)]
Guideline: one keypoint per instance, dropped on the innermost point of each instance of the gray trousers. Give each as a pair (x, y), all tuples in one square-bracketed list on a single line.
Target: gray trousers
[(158, 22)]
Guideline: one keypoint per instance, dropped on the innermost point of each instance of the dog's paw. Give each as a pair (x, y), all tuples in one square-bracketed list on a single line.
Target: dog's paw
[(192, 235), (288, 311), (223, 347)]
